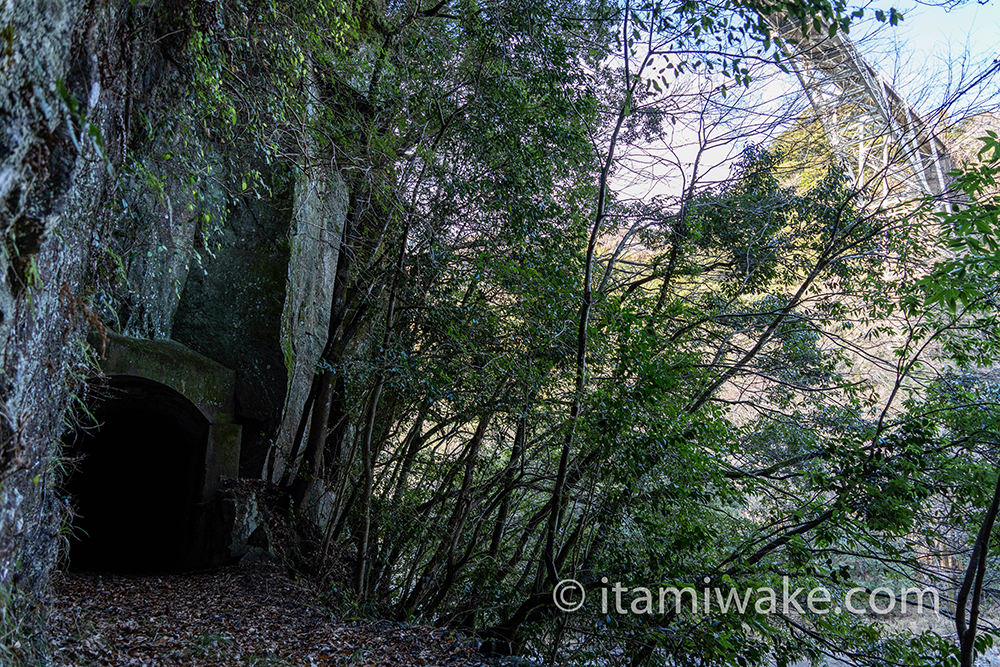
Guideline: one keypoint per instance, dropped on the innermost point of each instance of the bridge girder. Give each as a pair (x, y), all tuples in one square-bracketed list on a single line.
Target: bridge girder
[(862, 113)]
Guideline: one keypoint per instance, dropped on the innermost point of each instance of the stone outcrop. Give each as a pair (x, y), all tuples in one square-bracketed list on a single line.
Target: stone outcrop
[(231, 312), (62, 84), (102, 232)]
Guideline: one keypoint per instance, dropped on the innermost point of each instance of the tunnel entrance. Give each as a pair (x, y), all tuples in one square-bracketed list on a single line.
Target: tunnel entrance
[(139, 487)]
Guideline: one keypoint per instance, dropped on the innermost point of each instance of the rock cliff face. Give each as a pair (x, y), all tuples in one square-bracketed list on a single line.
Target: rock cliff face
[(103, 226)]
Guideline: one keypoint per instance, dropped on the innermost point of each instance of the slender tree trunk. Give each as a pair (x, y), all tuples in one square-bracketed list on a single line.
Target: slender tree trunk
[(547, 573), (444, 555), (508, 485), (367, 453), (966, 613)]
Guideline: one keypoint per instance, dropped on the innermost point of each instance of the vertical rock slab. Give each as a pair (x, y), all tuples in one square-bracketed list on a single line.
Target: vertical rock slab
[(317, 223)]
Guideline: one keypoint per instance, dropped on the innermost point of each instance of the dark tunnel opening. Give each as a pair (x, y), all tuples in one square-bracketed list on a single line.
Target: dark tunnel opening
[(137, 490)]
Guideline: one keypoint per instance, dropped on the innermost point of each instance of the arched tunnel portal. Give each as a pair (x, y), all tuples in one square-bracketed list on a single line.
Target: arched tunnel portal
[(144, 490)]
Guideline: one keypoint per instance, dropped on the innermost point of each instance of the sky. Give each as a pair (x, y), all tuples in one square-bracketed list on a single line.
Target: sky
[(932, 44), (931, 52), (931, 31)]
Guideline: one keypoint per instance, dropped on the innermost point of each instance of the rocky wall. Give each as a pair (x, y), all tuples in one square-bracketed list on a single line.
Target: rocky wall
[(62, 100), (101, 228)]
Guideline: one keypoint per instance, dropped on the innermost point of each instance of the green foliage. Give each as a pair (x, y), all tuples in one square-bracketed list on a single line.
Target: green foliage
[(19, 643), (712, 404), (972, 231)]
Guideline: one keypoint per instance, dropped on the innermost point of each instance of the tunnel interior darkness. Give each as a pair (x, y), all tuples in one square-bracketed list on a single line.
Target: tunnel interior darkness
[(137, 487)]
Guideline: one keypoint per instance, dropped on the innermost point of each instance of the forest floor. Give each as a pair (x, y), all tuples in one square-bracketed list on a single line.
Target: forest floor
[(249, 616)]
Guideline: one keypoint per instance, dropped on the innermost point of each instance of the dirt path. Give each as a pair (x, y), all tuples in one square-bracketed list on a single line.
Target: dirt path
[(235, 616)]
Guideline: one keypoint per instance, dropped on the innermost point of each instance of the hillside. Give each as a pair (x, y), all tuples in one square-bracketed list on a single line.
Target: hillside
[(554, 332)]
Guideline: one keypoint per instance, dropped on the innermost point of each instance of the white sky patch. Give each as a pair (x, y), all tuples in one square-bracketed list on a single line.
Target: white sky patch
[(931, 54)]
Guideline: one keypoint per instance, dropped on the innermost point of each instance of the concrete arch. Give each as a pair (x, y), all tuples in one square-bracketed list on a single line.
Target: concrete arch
[(207, 385)]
